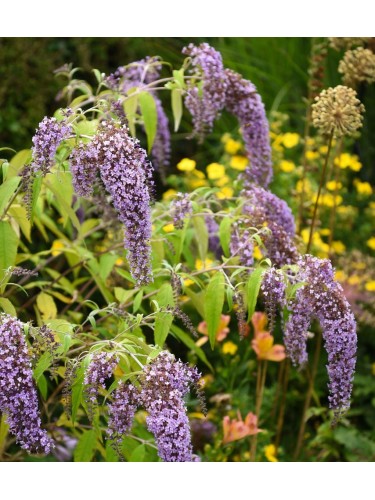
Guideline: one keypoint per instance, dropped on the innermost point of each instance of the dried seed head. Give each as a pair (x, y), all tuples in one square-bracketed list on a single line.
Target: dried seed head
[(357, 66), (337, 110), (347, 42)]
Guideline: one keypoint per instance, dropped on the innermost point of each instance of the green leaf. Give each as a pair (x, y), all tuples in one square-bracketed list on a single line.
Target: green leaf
[(189, 342), (130, 106), (110, 454), (8, 249), (150, 117), (4, 427), (197, 300), (225, 234), (176, 100), (43, 386), (42, 365), (8, 307), (18, 162), (85, 447), (77, 387), (123, 295), (164, 319), (213, 305), (18, 212), (107, 261), (252, 290), (46, 306), (62, 189), (137, 301), (201, 236), (138, 454), (7, 190)]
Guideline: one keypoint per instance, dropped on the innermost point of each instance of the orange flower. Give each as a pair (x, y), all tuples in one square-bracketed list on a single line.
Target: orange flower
[(221, 333), (262, 342), (237, 429)]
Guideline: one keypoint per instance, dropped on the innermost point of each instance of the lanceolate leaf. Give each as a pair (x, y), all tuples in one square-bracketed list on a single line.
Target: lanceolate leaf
[(252, 290), (176, 98), (213, 305), (7, 190), (150, 117), (85, 447), (8, 248), (224, 234), (201, 235)]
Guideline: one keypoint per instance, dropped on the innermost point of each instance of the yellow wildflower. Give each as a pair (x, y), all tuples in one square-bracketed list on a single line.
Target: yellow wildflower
[(354, 279), (287, 166), (223, 181), (277, 144), (370, 286), (239, 162), (186, 165), (371, 243), (57, 245), (232, 146), (188, 282), (333, 185), (270, 453), (257, 254), (338, 247), (169, 194), (310, 141), (328, 199), (290, 140), (168, 228), (119, 261), (363, 188), (346, 160), (312, 155), (215, 171), (200, 264), (323, 150), (224, 193), (325, 231), (340, 276), (229, 348)]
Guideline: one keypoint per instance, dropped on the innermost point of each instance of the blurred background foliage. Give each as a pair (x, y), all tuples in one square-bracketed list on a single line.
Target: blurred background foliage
[(277, 66)]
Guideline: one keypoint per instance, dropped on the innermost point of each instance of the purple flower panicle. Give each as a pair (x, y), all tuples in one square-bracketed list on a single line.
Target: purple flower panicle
[(125, 400), (99, 370), (181, 209), (18, 396), (205, 100), (243, 100), (164, 385)]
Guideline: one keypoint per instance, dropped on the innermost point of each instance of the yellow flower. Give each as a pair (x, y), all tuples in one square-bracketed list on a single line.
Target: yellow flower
[(306, 184), (257, 254), (363, 188), (340, 276), (346, 160), (239, 162), (169, 194), (287, 166), (270, 453), (196, 179), (371, 243), (328, 199), (290, 140), (338, 247), (223, 181), (215, 171), (354, 279), (333, 185), (186, 165), (325, 231), (188, 282), (323, 150), (370, 286), (168, 228), (203, 264), (57, 245), (312, 155), (119, 261), (232, 146), (224, 193), (229, 348)]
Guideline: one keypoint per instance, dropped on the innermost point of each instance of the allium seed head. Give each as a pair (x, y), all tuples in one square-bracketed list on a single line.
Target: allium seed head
[(357, 66)]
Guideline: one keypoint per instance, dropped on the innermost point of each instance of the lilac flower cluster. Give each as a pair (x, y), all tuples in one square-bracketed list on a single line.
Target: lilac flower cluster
[(241, 244), (127, 176), (181, 209), (140, 74), (213, 235), (164, 385), (273, 289), (323, 298), (99, 370), (125, 400), (47, 139), (263, 207), (205, 100), (243, 100), (18, 396)]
